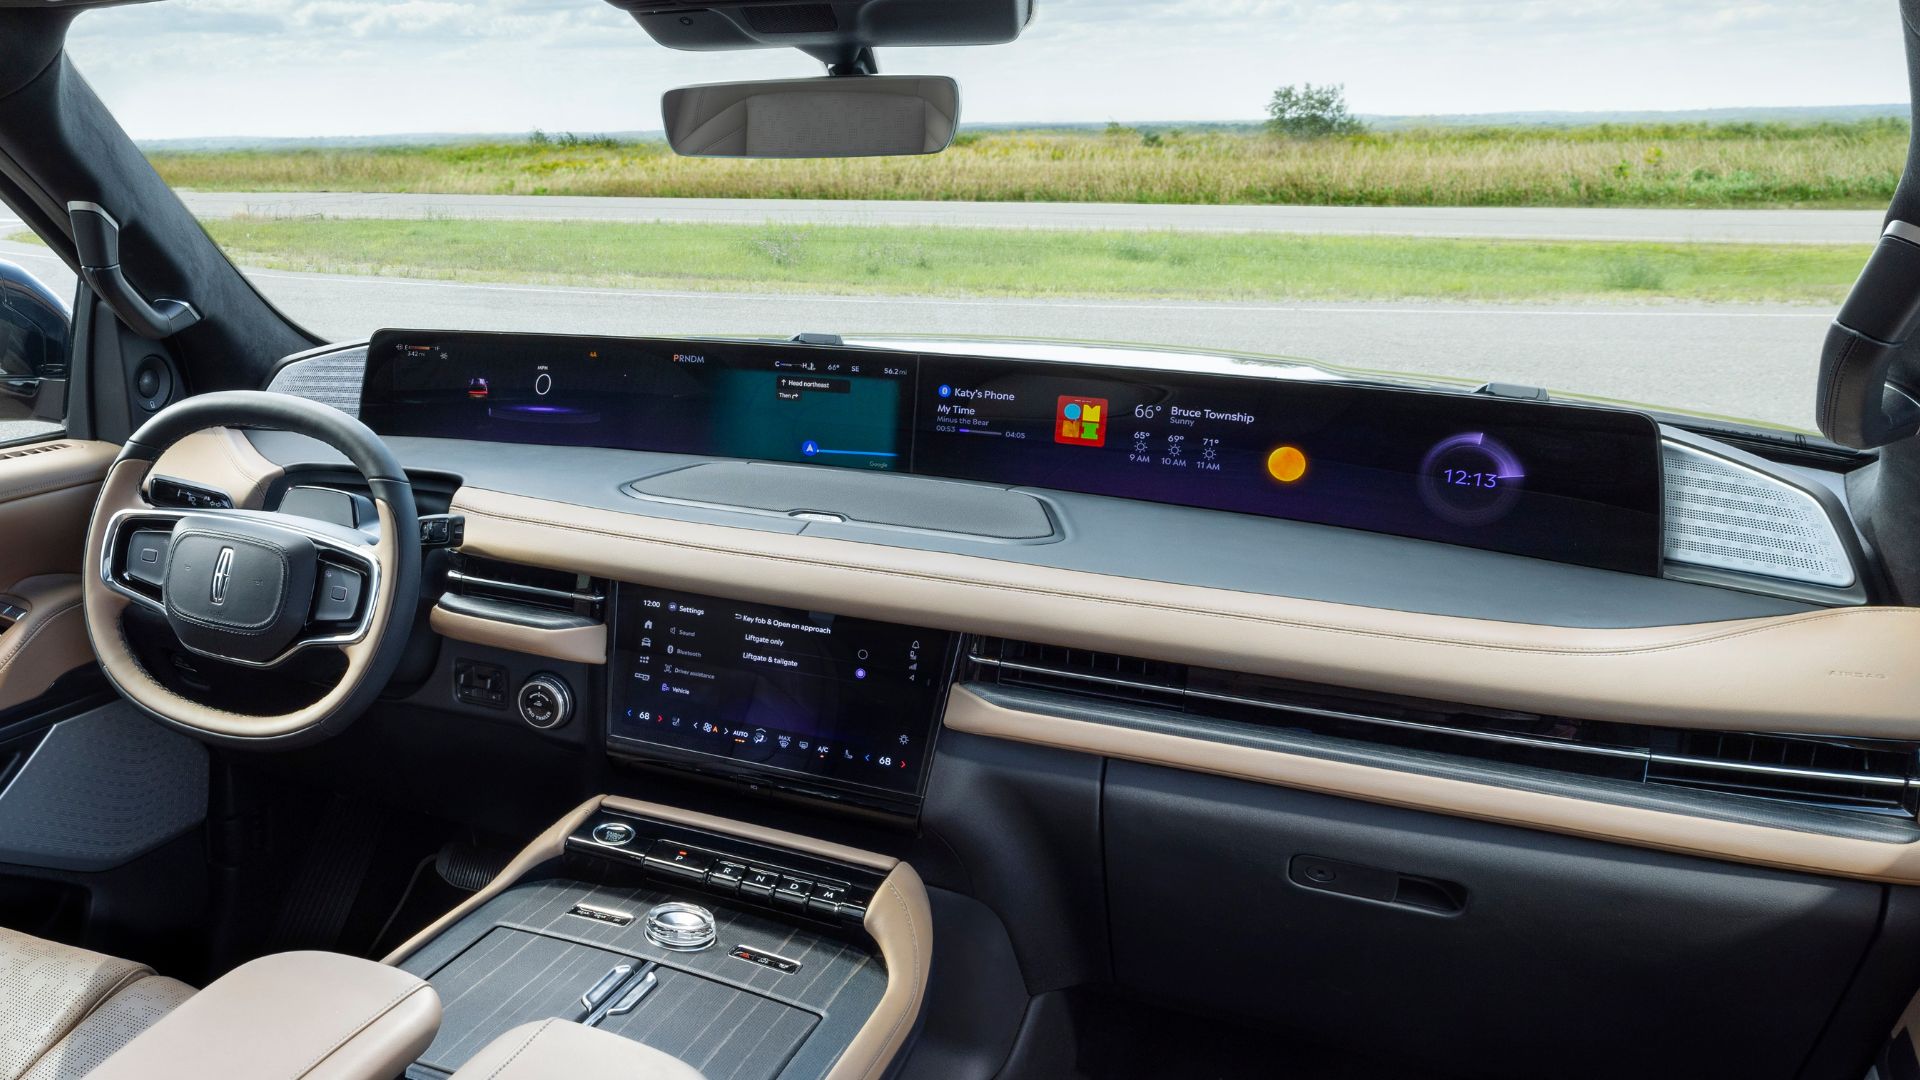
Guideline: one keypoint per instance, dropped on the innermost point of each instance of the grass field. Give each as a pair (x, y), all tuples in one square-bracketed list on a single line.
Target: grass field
[(1694, 165), (1023, 263)]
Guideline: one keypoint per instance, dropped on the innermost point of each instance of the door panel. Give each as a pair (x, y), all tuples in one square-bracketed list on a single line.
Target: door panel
[(46, 496)]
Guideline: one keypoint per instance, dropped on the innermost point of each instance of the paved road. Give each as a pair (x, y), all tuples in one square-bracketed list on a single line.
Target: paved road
[(57, 275), (1729, 226), (1737, 360)]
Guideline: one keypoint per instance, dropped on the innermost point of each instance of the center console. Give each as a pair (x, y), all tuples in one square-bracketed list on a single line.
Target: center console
[(741, 951)]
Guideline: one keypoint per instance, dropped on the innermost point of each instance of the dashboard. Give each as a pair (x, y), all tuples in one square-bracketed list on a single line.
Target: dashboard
[(1167, 624), (1567, 483)]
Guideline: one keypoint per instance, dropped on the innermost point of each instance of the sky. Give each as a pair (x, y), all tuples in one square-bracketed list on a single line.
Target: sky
[(291, 68)]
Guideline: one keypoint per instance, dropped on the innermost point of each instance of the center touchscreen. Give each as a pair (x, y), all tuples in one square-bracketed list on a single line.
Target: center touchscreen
[(848, 703)]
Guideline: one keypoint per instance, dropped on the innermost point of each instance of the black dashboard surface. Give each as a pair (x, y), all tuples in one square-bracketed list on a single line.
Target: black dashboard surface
[(1567, 483), (1128, 538)]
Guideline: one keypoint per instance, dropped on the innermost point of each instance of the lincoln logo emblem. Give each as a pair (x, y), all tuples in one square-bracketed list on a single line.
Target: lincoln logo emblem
[(222, 574)]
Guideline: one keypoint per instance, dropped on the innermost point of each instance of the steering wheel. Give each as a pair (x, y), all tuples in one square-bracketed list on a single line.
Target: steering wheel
[(248, 587)]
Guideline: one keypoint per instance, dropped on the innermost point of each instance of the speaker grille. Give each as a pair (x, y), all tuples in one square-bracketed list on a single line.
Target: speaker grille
[(792, 18), (1726, 516)]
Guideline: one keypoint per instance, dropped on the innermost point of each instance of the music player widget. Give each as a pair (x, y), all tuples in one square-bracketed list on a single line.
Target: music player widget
[(1080, 421)]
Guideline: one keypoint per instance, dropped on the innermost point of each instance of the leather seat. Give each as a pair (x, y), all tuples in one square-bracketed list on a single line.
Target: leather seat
[(64, 1010)]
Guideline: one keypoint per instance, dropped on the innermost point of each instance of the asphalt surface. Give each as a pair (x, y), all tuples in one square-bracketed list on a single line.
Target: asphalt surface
[(1740, 360), (1538, 223)]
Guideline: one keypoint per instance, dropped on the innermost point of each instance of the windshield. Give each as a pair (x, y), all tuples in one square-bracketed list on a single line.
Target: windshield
[(1644, 202)]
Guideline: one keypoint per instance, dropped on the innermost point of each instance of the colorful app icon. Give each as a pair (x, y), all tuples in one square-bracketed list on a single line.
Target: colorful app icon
[(1080, 421)]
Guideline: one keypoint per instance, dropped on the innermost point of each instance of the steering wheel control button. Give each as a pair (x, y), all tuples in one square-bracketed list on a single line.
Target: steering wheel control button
[(147, 556), (613, 833), (545, 702), (337, 595), (680, 927)]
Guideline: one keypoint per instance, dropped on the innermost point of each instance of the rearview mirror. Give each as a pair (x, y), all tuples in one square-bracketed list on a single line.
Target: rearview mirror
[(850, 116)]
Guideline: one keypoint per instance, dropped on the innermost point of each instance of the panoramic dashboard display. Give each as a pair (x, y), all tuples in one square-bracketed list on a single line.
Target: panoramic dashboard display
[(846, 701), (1568, 483)]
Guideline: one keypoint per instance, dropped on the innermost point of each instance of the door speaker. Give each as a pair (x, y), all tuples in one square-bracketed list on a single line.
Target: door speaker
[(152, 383)]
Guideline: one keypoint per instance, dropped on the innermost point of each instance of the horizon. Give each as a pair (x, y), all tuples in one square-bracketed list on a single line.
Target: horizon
[(1546, 118)]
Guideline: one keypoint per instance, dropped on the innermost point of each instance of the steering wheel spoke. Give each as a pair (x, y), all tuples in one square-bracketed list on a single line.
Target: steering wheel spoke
[(135, 555), (250, 587), (243, 586)]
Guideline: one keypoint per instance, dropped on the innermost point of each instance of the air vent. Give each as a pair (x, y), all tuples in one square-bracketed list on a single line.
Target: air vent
[(791, 18), (1873, 776), (1725, 516), (29, 451), (526, 586)]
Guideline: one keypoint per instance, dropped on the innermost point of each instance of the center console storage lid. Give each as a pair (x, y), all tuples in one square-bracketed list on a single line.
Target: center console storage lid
[(298, 1016), (563, 1050)]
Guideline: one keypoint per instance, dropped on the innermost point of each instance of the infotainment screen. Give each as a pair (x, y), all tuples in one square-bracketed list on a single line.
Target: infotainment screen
[(1567, 483), (829, 701)]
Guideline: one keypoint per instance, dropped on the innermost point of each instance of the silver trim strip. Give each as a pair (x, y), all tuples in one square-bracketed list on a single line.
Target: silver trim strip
[(456, 577), (1649, 757), (1902, 230), (121, 521)]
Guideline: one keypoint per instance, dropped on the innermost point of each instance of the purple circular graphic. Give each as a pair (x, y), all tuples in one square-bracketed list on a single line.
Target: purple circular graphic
[(1471, 479)]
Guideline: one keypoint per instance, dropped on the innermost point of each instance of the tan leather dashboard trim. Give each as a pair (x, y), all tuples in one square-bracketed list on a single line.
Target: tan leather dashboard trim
[(1847, 671), (581, 644), (221, 458), (49, 642), (1732, 841), (46, 492), (900, 919)]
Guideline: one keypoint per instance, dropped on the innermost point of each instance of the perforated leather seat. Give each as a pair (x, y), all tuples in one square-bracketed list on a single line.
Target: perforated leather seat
[(64, 1010)]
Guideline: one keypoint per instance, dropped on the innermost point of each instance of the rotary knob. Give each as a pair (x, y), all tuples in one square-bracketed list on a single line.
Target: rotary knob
[(545, 701), (681, 927)]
